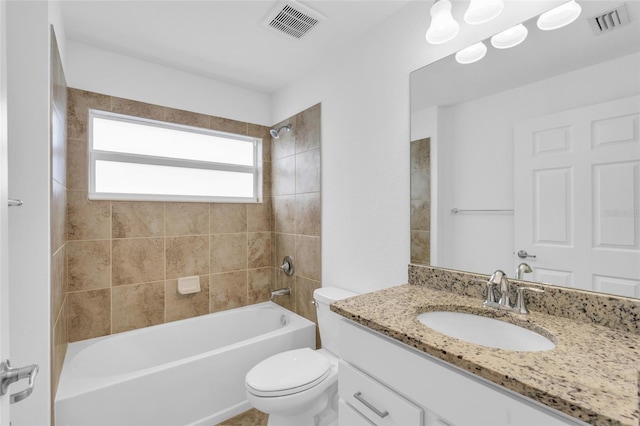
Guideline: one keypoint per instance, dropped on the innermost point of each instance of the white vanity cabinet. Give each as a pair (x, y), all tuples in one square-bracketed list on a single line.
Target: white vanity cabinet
[(383, 382)]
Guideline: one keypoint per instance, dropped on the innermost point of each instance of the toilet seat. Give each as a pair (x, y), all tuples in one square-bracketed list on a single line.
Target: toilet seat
[(288, 373)]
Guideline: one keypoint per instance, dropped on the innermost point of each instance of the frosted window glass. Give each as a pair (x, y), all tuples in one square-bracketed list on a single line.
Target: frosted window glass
[(131, 178), (147, 139)]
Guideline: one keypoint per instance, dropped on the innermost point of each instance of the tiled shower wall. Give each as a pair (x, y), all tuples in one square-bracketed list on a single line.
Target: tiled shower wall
[(58, 152), (420, 201), (296, 209), (124, 258)]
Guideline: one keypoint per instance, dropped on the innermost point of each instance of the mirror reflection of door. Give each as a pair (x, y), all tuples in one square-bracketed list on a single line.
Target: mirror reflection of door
[(420, 201), (577, 180)]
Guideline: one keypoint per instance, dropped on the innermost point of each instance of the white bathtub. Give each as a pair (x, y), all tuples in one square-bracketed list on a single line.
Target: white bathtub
[(188, 372)]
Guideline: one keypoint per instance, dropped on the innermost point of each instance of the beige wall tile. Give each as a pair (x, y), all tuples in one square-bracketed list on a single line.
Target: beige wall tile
[(77, 126), (420, 154), (307, 215), (304, 297), (284, 146), (137, 260), (283, 176), (58, 216), (228, 290), (284, 214), (137, 306), (420, 247), (285, 245), (258, 131), (267, 179), (87, 220), (259, 216), (186, 218), (58, 282), (228, 218), (59, 349), (227, 125), (228, 252), (420, 184), (80, 101), (77, 163), (137, 109), (89, 264), (158, 242), (187, 256), (137, 219), (89, 314), (59, 145), (308, 171), (259, 249), (308, 257), (420, 215), (306, 129), (258, 285), (187, 118), (180, 306)]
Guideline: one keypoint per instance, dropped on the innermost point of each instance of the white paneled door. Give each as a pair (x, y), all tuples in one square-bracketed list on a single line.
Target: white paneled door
[(4, 245), (577, 197)]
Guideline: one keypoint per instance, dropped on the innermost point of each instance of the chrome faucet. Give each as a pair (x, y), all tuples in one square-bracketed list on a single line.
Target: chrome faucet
[(522, 269), (504, 302), (281, 292)]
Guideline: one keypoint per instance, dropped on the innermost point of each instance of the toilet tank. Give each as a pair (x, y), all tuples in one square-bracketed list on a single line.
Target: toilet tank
[(327, 320)]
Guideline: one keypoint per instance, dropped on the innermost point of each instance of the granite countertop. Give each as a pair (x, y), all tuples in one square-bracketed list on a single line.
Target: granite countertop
[(591, 374)]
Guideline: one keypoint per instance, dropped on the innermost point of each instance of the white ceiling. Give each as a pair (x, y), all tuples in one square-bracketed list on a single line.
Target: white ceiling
[(222, 40)]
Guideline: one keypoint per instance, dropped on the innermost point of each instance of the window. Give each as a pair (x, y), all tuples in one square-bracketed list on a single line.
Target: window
[(132, 158)]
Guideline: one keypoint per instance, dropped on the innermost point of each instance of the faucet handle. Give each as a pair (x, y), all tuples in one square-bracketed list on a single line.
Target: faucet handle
[(521, 303)]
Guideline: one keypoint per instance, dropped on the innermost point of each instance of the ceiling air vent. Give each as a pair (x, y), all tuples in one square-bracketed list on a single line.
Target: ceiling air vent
[(610, 20), (293, 19)]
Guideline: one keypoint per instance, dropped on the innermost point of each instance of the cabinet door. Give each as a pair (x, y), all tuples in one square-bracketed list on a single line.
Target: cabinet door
[(378, 403), (440, 388), (348, 416)]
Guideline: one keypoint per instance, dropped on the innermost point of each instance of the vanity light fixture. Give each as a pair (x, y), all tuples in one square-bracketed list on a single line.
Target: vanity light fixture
[(481, 11), (560, 16), (443, 27), (471, 54), (510, 38)]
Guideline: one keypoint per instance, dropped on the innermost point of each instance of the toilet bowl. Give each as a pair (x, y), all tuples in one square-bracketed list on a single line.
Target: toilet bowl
[(300, 387)]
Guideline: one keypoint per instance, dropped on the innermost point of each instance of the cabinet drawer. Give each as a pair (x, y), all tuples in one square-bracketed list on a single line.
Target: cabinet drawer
[(347, 416), (378, 403)]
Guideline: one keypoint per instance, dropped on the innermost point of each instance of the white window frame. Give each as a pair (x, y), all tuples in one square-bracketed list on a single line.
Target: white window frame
[(95, 155)]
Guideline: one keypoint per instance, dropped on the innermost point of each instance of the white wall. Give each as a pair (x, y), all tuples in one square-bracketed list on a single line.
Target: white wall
[(101, 71), (475, 142), (364, 93), (29, 180), (55, 19)]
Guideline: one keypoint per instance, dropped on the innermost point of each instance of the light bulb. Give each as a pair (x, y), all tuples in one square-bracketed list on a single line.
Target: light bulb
[(510, 38), (471, 54), (443, 27), (481, 11), (560, 16)]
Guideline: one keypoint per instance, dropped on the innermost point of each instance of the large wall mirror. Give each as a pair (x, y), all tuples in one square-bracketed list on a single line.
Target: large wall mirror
[(534, 149)]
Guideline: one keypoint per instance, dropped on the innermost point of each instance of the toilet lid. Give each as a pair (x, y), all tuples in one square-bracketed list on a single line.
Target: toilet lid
[(288, 372)]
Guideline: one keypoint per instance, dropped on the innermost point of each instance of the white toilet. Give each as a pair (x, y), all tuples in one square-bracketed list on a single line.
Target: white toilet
[(300, 387)]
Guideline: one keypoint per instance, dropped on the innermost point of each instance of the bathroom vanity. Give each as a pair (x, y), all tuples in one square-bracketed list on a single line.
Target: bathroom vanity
[(397, 371)]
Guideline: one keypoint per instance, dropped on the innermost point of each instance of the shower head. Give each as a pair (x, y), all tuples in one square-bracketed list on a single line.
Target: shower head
[(276, 133)]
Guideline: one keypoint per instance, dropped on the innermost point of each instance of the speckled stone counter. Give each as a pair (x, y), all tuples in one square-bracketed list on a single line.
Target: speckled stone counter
[(591, 374)]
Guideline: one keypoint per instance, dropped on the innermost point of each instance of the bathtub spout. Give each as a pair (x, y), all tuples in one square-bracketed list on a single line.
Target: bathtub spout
[(280, 292)]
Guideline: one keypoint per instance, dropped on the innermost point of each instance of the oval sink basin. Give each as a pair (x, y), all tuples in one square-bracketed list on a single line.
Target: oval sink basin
[(486, 331)]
